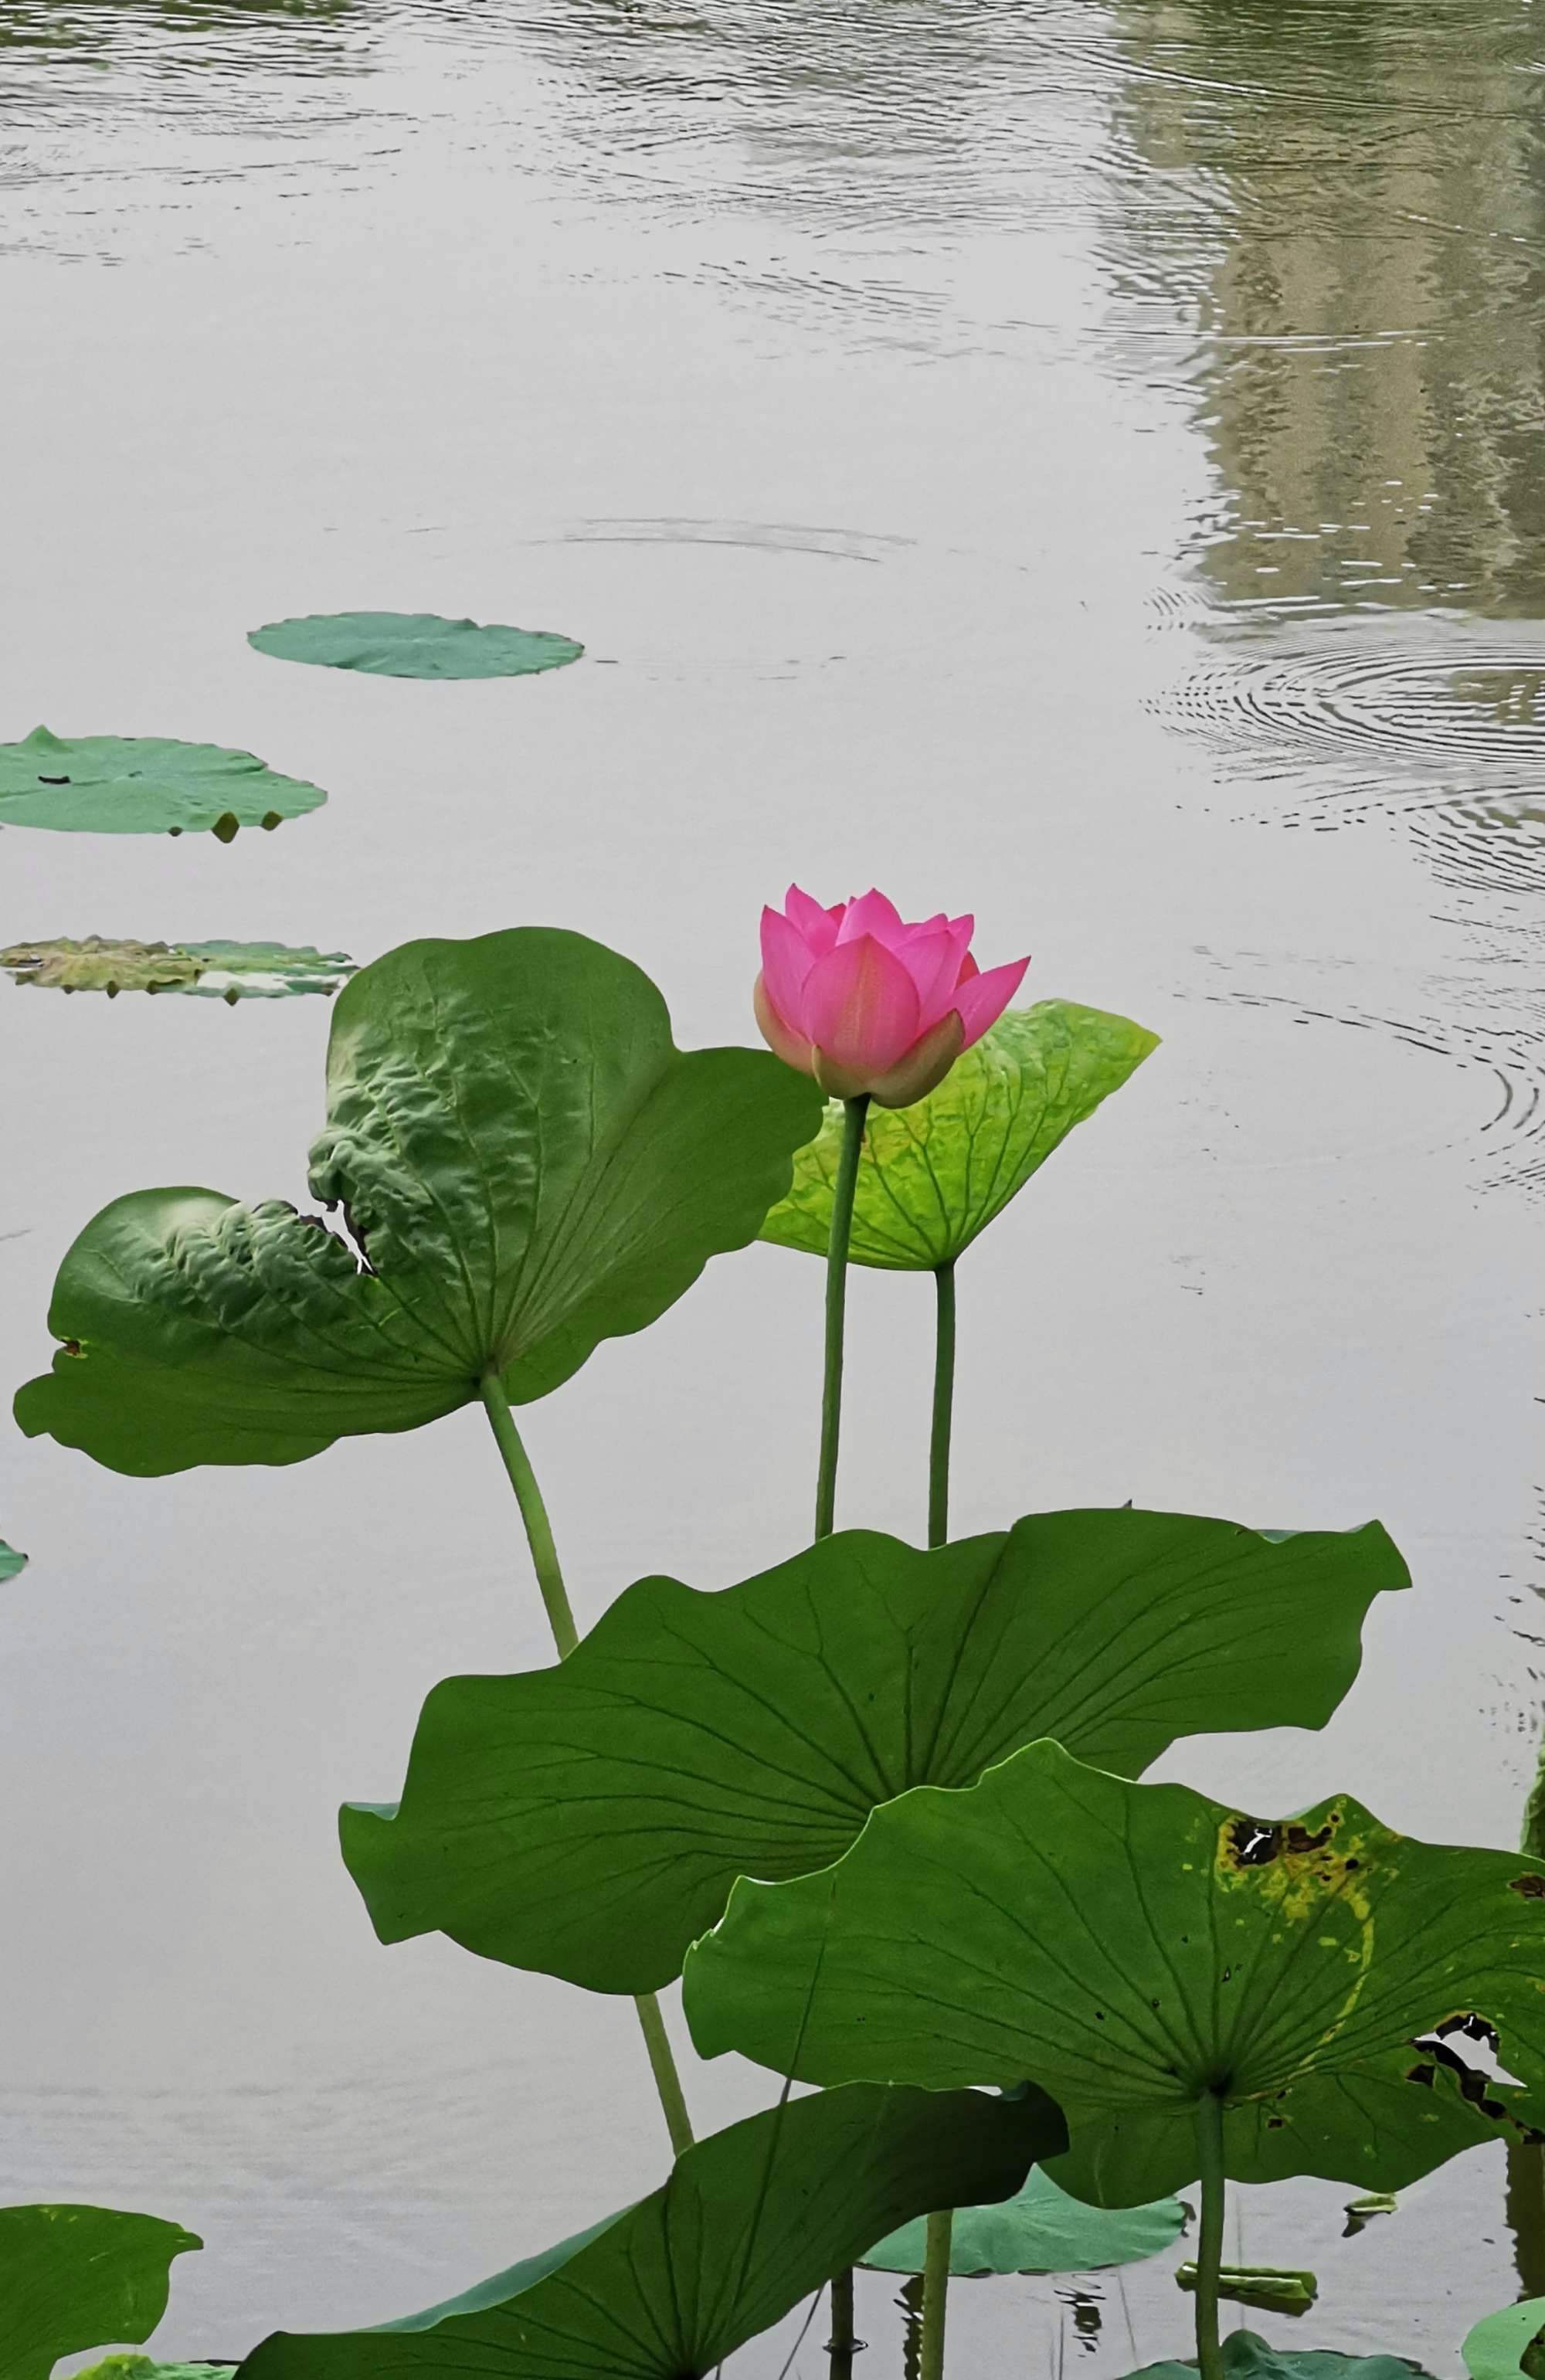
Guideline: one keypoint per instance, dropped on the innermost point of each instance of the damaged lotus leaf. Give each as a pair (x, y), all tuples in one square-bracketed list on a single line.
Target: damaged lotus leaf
[(413, 644), (529, 1166), (143, 785), (11, 1564), (73, 2278), (748, 2223), (142, 2367), (1245, 2357), (228, 971), (1265, 2286), (1507, 2345), (932, 1177), (1134, 1948), (1038, 2231), (589, 1819)]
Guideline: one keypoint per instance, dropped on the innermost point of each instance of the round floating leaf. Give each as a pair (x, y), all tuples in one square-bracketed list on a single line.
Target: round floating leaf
[(80, 2277), (229, 971), (413, 644), (1245, 2357), (932, 1177), (529, 1166), (589, 1819), (1509, 2345), (748, 2223), (1134, 1948), (11, 1564), (1038, 2231), (143, 785)]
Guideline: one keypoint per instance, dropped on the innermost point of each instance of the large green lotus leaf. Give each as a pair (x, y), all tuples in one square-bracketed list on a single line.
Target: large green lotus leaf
[(1245, 2357), (413, 644), (229, 971), (525, 1161), (143, 785), (80, 2277), (1040, 2230), (589, 1819), (11, 1564), (1509, 2345), (1132, 1948), (934, 1176), (748, 2223)]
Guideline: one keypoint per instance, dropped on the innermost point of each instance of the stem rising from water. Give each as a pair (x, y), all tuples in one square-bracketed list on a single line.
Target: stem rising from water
[(854, 1112), (1209, 2244)]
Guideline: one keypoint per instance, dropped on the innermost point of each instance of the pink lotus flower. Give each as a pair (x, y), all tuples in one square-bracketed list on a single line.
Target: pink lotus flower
[(868, 1003)]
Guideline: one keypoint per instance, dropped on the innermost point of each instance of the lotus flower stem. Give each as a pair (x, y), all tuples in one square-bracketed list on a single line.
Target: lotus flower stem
[(936, 2282), (842, 2347), (943, 1406), (847, 1182), (1209, 2244), (566, 1635)]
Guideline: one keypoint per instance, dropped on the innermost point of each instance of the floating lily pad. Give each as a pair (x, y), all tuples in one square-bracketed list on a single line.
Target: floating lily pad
[(11, 1562), (932, 1177), (413, 644), (73, 2278), (589, 1819), (1138, 1951), (143, 785), (1509, 2345), (228, 971), (1267, 2288), (750, 2222), (1245, 2357), (1040, 2230)]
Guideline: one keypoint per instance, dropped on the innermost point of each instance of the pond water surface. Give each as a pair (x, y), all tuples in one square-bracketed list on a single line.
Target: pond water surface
[(1080, 458)]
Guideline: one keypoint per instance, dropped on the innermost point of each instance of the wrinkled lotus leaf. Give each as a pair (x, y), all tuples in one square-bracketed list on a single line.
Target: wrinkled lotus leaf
[(1362, 2212), (529, 1165), (143, 785), (1265, 2286), (748, 2223), (228, 971), (1503, 2346), (1132, 1948), (73, 2278), (1038, 2231), (589, 1819), (11, 1562), (413, 644), (1245, 2357), (934, 1176)]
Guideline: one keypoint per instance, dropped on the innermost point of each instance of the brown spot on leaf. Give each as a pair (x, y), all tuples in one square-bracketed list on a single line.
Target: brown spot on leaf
[(1531, 1887)]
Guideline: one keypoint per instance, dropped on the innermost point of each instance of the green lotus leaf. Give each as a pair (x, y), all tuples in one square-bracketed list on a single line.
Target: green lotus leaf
[(748, 2223), (1266, 2287), (1134, 1949), (589, 1819), (1245, 2357), (78, 2276), (1507, 2345), (932, 1177), (143, 785), (11, 1564), (1040, 2230), (528, 1165), (142, 2367), (1362, 2212), (229, 971), (413, 644)]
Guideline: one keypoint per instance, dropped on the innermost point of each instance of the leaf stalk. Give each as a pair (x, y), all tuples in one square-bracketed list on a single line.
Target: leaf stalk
[(1209, 2244)]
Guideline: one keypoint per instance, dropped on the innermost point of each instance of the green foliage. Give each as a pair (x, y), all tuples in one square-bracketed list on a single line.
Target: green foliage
[(529, 1166), (1266, 2287), (229, 971), (413, 644), (143, 785), (590, 1819), (1136, 1948), (1245, 2357), (932, 1177), (11, 1564), (1507, 2345), (1040, 2230), (748, 2223), (142, 2367), (78, 2276)]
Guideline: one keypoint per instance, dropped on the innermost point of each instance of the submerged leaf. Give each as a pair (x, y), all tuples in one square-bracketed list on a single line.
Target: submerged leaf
[(1136, 1948), (1266, 2287), (1507, 2345), (589, 1819), (1038, 2231), (11, 1564), (228, 971), (529, 1166), (748, 2223), (73, 2278), (932, 1177), (413, 644), (143, 785), (1245, 2357)]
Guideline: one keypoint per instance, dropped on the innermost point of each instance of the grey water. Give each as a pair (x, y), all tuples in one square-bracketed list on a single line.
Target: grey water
[(1081, 459)]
